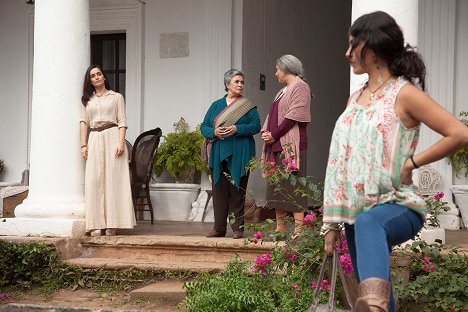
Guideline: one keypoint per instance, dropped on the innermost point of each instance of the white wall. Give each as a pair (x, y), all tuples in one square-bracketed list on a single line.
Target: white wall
[(405, 13), (185, 86), (461, 66), (14, 88), (315, 32), (461, 61)]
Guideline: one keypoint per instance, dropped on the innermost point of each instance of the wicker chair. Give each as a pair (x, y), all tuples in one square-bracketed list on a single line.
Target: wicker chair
[(143, 153)]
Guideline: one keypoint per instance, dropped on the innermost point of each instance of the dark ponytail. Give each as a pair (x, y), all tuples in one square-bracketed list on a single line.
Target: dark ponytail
[(410, 65), (380, 33)]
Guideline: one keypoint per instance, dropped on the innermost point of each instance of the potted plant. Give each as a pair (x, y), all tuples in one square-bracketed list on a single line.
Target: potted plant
[(459, 162), (179, 157), (435, 206), (179, 154)]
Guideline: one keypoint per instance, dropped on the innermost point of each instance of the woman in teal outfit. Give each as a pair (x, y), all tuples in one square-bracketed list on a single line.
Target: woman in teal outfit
[(230, 124)]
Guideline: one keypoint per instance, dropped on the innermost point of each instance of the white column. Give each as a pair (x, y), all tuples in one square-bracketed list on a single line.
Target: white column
[(405, 12), (437, 31), (218, 41), (55, 205)]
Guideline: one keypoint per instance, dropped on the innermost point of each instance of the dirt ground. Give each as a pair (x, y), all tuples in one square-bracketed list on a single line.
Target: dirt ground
[(83, 298)]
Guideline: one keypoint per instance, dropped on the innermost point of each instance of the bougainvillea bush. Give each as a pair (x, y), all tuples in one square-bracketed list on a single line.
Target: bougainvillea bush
[(438, 280), (283, 279)]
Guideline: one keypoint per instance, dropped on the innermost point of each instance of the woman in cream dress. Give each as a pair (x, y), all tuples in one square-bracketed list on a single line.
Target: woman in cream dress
[(108, 197)]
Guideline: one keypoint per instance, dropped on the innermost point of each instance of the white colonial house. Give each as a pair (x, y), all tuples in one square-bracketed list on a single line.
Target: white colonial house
[(168, 58)]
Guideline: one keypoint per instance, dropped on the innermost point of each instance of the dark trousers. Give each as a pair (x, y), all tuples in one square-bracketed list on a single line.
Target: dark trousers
[(228, 198)]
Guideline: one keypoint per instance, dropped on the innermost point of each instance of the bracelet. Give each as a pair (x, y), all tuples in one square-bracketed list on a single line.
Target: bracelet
[(84, 145), (412, 161), (327, 227)]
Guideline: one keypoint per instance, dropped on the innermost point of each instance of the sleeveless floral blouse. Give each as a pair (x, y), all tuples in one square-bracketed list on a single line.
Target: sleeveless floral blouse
[(368, 149)]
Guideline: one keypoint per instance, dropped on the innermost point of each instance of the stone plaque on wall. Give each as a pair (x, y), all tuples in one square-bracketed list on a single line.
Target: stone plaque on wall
[(174, 45)]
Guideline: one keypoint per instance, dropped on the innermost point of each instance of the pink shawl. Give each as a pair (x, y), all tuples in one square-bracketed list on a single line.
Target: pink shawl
[(294, 105)]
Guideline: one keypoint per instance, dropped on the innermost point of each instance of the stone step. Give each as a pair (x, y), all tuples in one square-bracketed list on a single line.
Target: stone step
[(161, 252), (167, 291), (140, 264)]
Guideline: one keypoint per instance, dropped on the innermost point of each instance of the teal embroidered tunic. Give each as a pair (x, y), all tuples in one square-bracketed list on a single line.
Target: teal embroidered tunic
[(238, 149)]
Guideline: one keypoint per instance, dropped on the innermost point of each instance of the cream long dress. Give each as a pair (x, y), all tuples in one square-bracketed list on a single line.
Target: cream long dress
[(108, 197)]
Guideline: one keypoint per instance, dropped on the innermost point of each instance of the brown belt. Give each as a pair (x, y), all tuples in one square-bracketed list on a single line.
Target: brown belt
[(102, 128)]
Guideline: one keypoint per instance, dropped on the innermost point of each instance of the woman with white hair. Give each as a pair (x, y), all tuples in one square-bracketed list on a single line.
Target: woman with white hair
[(229, 125), (285, 137)]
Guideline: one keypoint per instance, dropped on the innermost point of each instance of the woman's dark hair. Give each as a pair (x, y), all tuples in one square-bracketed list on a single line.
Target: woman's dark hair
[(88, 88), (381, 34)]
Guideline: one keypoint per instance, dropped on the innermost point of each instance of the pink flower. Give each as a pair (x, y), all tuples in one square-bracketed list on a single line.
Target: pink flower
[(292, 166), (309, 219), (292, 257), (298, 295), (425, 268), (439, 196), (342, 247), (294, 285), (431, 267), (346, 264), (313, 284), (426, 260), (258, 235), (285, 161), (261, 263), (325, 285)]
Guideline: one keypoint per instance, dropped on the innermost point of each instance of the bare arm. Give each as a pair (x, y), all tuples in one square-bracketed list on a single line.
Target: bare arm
[(120, 147), (414, 107), (83, 139)]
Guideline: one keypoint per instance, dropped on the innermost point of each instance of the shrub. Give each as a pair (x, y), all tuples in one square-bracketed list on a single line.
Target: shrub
[(438, 280), (283, 279), (179, 154)]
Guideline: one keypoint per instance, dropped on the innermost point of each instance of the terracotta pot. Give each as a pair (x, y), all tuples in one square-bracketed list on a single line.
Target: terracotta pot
[(401, 267)]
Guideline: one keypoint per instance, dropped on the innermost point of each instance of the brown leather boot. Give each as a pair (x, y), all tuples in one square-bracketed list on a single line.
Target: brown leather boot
[(374, 295)]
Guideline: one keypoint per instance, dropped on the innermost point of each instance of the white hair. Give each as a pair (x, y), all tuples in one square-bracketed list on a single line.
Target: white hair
[(290, 65)]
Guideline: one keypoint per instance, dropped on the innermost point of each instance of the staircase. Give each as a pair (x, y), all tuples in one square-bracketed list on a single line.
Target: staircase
[(162, 252)]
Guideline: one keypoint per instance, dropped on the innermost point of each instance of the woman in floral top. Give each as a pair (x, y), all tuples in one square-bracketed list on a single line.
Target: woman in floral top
[(368, 184)]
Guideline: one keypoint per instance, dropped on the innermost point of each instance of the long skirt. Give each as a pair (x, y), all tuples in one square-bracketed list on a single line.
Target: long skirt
[(290, 202), (108, 195)]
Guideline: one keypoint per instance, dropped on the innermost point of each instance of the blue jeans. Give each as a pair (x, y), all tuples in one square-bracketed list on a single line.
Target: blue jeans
[(371, 238)]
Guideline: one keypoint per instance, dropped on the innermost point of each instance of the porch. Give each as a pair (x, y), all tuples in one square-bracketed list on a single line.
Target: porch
[(455, 238), (174, 245)]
